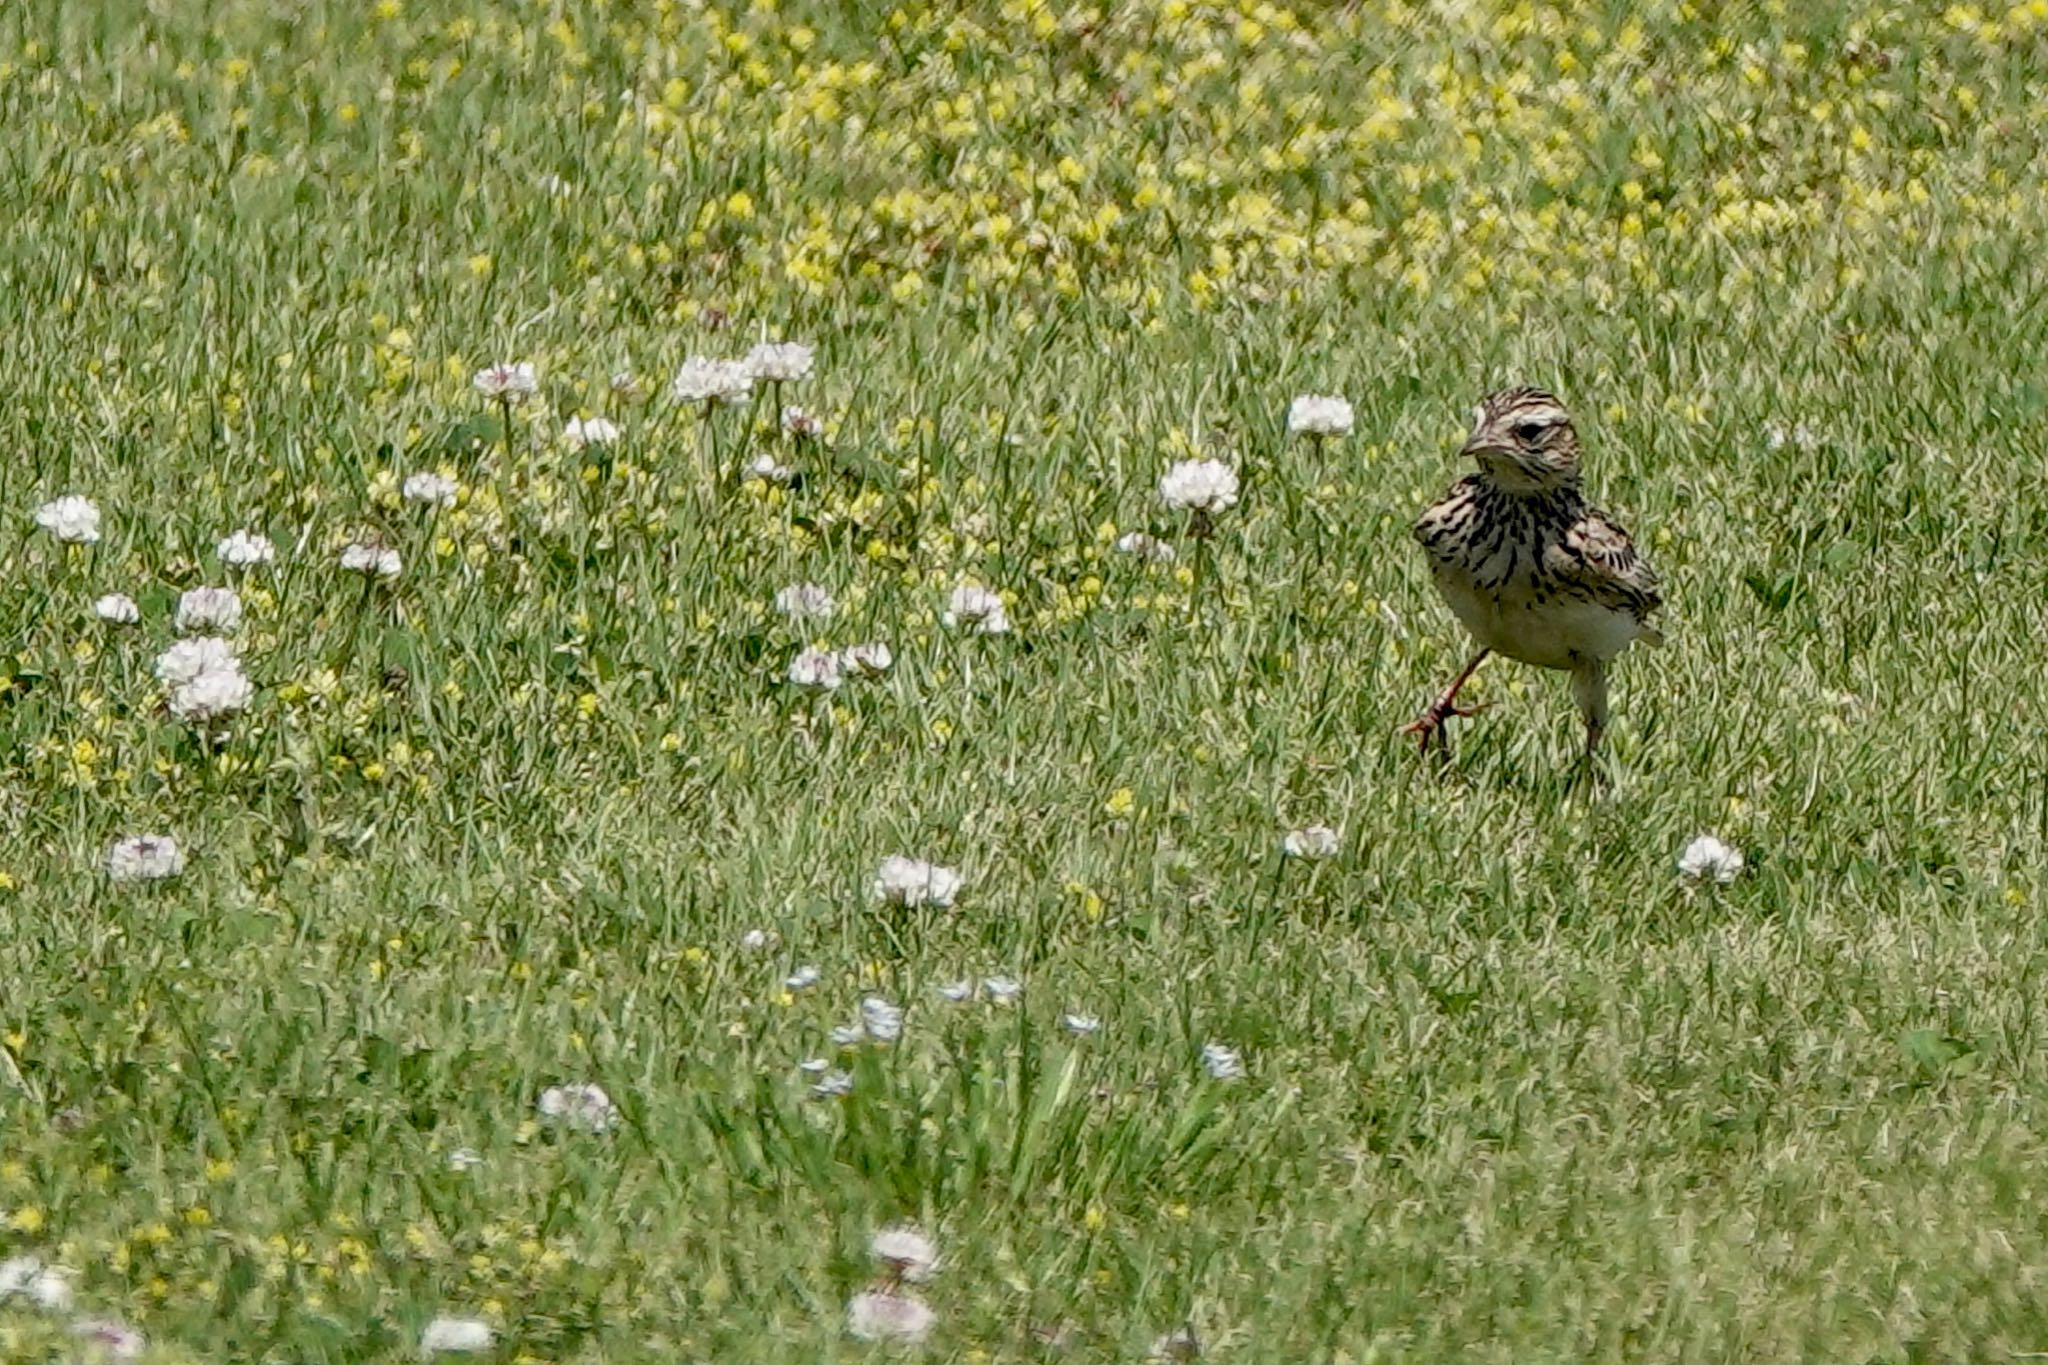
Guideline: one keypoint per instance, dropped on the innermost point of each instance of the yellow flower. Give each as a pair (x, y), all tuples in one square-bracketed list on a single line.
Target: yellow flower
[(1121, 802)]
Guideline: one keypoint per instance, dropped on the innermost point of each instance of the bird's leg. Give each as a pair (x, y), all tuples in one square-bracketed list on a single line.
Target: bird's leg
[(1431, 721), (1589, 690)]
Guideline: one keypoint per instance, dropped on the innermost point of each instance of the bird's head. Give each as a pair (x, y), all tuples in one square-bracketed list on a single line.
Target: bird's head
[(1523, 440)]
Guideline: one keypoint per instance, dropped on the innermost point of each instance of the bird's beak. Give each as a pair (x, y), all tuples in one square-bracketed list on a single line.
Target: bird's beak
[(1480, 444)]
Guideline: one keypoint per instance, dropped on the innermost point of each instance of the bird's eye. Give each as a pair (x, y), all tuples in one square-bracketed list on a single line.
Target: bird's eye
[(1527, 432)]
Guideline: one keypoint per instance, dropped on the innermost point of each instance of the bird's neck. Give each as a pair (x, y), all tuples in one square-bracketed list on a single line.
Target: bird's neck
[(1513, 489)]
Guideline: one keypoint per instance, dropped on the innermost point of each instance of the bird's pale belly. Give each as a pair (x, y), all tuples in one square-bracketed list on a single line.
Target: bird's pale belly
[(1557, 633)]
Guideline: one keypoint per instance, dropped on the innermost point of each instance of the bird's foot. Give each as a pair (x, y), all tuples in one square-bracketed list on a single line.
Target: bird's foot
[(1430, 724)]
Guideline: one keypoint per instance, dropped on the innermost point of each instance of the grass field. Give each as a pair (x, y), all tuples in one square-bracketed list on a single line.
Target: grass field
[(543, 808)]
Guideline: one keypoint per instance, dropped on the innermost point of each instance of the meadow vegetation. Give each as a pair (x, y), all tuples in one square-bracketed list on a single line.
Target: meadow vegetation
[(520, 793)]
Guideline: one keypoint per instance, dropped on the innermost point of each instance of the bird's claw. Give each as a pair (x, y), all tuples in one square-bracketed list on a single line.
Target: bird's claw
[(1431, 722)]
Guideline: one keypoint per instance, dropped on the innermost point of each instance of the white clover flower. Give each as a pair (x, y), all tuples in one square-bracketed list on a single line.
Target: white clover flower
[(584, 1107), (465, 1159), (246, 550), (1800, 437), (806, 602), (913, 882), (704, 380), (378, 561), (116, 1339), (590, 431), (436, 490), (1081, 1025), (1313, 414), (972, 605), (817, 669), (904, 1253), (72, 519), (1222, 1063), (956, 991), (802, 979), (511, 383), (1316, 841), (187, 659), (213, 695), (833, 1084), (767, 470), (210, 609), (876, 1316), (456, 1335), (846, 1035), (1146, 547), (870, 660), (144, 858), (117, 607), (1002, 989), (882, 1020), (1706, 857), (780, 362), (800, 424), (757, 940), (1199, 485), (814, 1066), (27, 1277)]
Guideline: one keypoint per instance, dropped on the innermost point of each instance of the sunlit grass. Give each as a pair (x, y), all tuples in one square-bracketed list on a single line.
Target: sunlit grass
[(543, 808)]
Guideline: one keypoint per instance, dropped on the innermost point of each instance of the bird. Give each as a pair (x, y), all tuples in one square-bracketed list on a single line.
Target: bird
[(1529, 567)]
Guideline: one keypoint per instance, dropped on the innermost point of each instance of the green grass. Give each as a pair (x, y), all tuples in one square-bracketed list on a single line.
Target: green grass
[(1514, 1090)]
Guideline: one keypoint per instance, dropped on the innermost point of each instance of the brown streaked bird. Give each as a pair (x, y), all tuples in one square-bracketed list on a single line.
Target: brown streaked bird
[(1529, 567)]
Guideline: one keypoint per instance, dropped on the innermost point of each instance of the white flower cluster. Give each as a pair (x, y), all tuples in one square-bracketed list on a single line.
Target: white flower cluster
[(144, 858), (371, 560), (885, 1312), (117, 607), (49, 1288), (1199, 486), (435, 490), (590, 431), (246, 550), (508, 382), (912, 882), (1316, 841), (1315, 414), (72, 518), (208, 609), (817, 670), (205, 677), (976, 607), (704, 380), (1707, 858), (806, 602), (28, 1278), (456, 1336), (582, 1106), (1139, 545), (824, 670), (1221, 1062), (779, 362)]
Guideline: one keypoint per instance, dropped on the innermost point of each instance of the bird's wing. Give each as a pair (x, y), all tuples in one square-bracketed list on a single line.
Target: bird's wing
[(1596, 559)]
